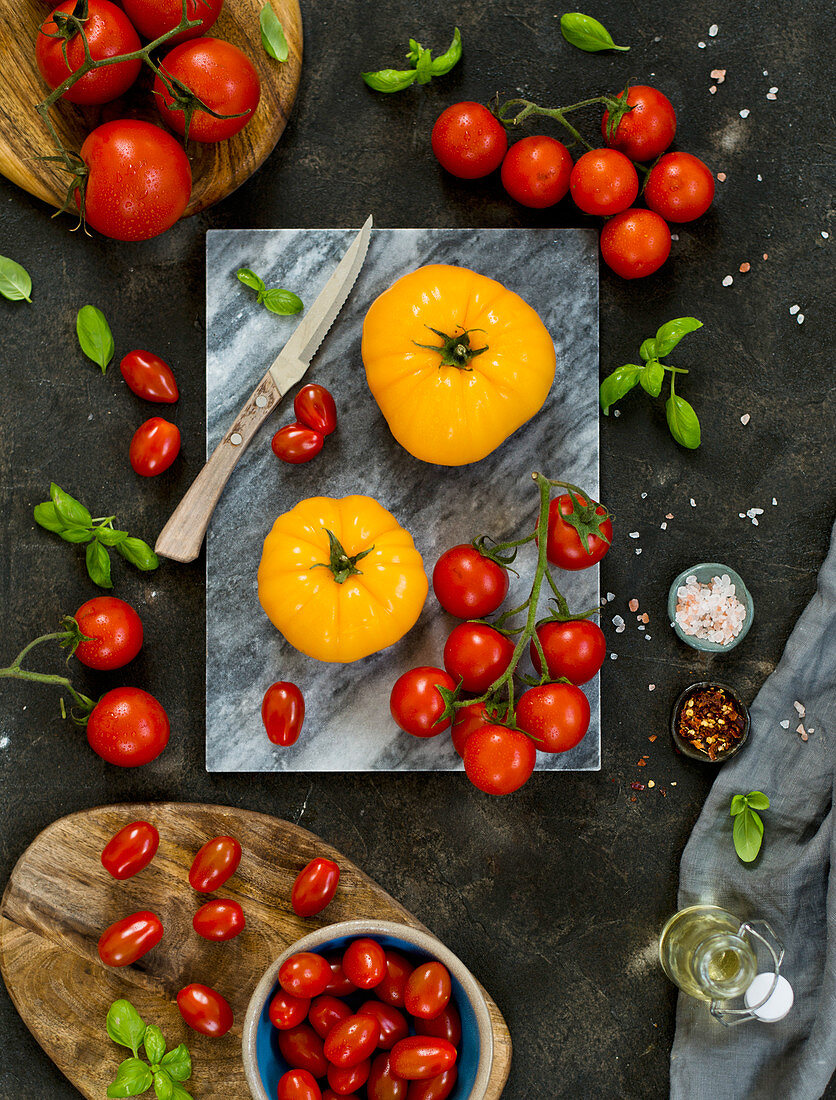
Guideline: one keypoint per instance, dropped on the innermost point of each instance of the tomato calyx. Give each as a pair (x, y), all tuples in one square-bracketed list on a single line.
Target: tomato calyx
[(585, 518), (617, 111), (184, 99), (341, 564), (68, 638), (69, 25), (455, 350)]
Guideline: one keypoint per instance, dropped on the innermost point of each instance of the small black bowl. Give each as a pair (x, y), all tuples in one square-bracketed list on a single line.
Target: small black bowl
[(685, 747)]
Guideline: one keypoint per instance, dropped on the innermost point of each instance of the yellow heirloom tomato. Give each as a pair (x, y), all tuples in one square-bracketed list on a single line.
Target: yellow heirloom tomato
[(341, 579), (456, 362)]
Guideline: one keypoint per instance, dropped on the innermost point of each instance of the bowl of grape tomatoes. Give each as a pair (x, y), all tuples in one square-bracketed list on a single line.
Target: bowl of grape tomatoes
[(370, 1009)]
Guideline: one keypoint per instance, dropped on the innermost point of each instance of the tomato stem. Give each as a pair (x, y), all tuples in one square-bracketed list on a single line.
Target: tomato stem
[(69, 637)]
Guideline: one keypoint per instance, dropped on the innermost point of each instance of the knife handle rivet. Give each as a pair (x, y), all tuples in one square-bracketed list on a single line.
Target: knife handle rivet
[(261, 401), (236, 440)]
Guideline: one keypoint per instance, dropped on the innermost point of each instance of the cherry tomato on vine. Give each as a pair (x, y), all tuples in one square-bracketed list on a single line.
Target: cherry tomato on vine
[(435, 1088), (344, 1080), (315, 408), (498, 760), (564, 547), (287, 1011), (339, 985), (219, 920), (383, 1084), (283, 713), (635, 243), (304, 974), (575, 649), (150, 377), (364, 963), (392, 1023), (130, 850), (556, 714), (416, 704), (603, 182), (109, 33), (216, 862), (301, 1048), (647, 130), (205, 1010), (680, 187), (477, 655), (298, 1084), (428, 990), (467, 719), (352, 1041), (128, 727), (152, 18), (314, 887), (326, 1012), (391, 989), (468, 140), (468, 584), (446, 1025), (114, 630), (536, 171), (130, 938), (221, 76), (419, 1057), (294, 443), (154, 447)]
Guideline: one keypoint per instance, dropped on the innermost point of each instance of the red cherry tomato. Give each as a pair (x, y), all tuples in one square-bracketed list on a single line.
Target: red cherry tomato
[(364, 963), (564, 547), (205, 1010), (421, 1056), (154, 447), (345, 1079), (352, 1041), (557, 715), (468, 718), (219, 920), (446, 1025), (536, 171), (435, 1088), (149, 377), (339, 986), (216, 862), (392, 1023), (283, 713), (467, 584), (152, 18), (498, 760), (301, 1048), (128, 727), (329, 1094), (221, 76), (314, 887), (383, 1084), (680, 187), (428, 990), (130, 850), (295, 443), (603, 182), (286, 1011), (477, 655), (391, 989), (298, 1084), (109, 33), (130, 938), (416, 704), (647, 130), (114, 630), (326, 1012), (469, 141), (574, 650), (304, 974), (315, 408), (635, 243)]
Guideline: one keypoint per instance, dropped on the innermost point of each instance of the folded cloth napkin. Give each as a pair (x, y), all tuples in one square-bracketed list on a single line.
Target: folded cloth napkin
[(792, 884)]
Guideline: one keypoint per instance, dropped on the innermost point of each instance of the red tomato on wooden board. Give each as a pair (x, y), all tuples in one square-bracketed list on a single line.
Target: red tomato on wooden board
[(130, 850), (109, 33), (421, 1056), (392, 1023), (295, 443), (150, 377), (383, 1084), (416, 704), (477, 655), (314, 887), (154, 447), (575, 649), (352, 1041), (436, 1088), (216, 862), (283, 713), (536, 171), (679, 188), (114, 630), (447, 1025), (302, 1048), (304, 974), (315, 408), (603, 182), (499, 760), (128, 727), (468, 140), (219, 920), (221, 76), (556, 716), (428, 990), (564, 547), (326, 1012), (287, 1011), (647, 130), (130, 938), (298, 1084), (467, 584), (205, 1010), (468, 718), (152, 18), (635, 243), (364, 963), (391, 989)]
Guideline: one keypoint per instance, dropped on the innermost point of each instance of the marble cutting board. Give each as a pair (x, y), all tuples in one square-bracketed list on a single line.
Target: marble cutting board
[(348, 726)]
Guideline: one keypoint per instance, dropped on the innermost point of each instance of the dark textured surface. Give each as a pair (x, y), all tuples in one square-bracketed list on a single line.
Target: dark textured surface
[(556, 895)]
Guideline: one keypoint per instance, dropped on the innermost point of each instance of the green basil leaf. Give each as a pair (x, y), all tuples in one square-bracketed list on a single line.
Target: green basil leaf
[(451, 56), (250, 279), (423, 66), (748, 835), (154, 1043), (15, 281), (125, 1025), (94, 336), (107, 536), (757, 800), (163, 1085), (178, 1063), (138, 553), (283, 302), (648, 349), (180, 1094), (682, 421), (621, 381), (132, 1079), (98, 565), (390, 80), (652, 377), (47, 516), (76, 534), (672, 332), (587, 33), (272, 34), (738, 805), (68, 508)]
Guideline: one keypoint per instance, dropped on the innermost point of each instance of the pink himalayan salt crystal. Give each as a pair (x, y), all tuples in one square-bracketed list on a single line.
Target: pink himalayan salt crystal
[(711, 612)]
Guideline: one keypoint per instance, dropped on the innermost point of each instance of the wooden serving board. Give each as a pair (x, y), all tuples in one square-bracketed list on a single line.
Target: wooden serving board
[(59, 899), (216, 169)]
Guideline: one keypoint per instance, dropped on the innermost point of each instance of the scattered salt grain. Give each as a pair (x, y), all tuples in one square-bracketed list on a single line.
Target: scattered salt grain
[(744, 420), (721, 176), (651, 687), (773, 91), (693, 503), (701, 45), (744, 267), (718, 74), (611, 596), (634, 534), (633, 605), (794, 310), (785, 725), (771, 95), (663, 526), (713, 89), (728, 280), (618, 623), (765, 73), (644, 496), (645, 617), (800, 708), (4, 742), (760, 180), (647, 637), (744, 113), (711, 612), (712, 30), (800, 318), (766, 254), (753, 512), (801, 730), (774, 500), (825, 234), (669, 515), (674, 236), (616, 412), (741, 515), (638, 549), (613, 656)]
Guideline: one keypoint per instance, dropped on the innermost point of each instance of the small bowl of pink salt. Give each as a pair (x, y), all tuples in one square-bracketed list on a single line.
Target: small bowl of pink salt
[(710, 607)]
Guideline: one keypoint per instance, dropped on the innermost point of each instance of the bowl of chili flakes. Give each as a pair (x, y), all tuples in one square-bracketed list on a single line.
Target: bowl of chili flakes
[(709, 722)]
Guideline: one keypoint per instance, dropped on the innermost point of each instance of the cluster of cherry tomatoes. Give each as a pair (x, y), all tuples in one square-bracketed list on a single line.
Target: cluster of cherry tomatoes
[(397, 1035), (138, 177), (316, 417), (538, 171), (156, 442)]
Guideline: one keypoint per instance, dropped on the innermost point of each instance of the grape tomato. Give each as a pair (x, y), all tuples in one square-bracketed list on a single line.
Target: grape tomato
[(130, 850), (216, 862), (205, 1010), (130, 938), (364, 963), (314, 887), (219, 920)]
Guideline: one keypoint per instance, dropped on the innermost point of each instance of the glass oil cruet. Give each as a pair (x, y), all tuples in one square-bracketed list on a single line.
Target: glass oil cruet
[(711, 955)]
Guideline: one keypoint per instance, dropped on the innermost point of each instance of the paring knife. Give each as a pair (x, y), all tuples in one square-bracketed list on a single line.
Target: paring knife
[(182, 536)]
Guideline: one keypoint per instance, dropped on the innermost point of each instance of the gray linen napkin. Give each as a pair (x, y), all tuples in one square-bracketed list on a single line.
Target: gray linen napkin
[(791, 883)]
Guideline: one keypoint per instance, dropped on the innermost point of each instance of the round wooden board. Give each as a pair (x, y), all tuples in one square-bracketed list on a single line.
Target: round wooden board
[(59, 898), (216, 169)]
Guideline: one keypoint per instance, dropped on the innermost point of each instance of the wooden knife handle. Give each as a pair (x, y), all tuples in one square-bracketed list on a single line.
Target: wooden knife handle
[(183, 535)]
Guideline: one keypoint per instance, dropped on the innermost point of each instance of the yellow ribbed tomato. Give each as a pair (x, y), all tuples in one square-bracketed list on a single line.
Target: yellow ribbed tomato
[(456, 362), (341, 578)]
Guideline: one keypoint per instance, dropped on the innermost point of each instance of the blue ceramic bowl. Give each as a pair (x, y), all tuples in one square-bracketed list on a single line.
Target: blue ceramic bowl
[(705, 572), (263, 1062)]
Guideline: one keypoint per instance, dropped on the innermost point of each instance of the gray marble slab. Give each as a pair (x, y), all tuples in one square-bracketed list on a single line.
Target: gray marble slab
[(348, 726)]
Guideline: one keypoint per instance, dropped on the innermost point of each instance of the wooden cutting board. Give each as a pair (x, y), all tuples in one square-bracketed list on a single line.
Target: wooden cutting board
[(59, 899), (216, 169)]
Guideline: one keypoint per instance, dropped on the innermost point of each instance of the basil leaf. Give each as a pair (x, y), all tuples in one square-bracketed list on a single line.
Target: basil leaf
[(15, 281), (672, 332), (738, 805), (423, 66), (47, 516), (154, 1043), (68, 508), (163, 1085), (95, 336), (652, 377), (125, 1025), (283, 302), (587, 33), (107, 536), (757, 800), (414, 50), (682, 421), (621, 381), (748, 835), (138, 553), (648, 350), (445, 61), (390, 80), (272, 34), (180, 1094), (76, 534), (98, 565), (132, 1078), (178, 1063), (250, 279)]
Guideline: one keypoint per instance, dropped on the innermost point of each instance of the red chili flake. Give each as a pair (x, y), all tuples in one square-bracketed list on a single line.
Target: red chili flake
[(653, 737), (710, 721), (664, 791), (766, 255), (744, 267), (645, 618), (641, 763), (721, 176), (637, 786), (633, 799)]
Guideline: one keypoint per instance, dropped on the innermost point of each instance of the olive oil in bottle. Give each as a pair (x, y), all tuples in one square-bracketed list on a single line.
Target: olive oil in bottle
[(702, 951)]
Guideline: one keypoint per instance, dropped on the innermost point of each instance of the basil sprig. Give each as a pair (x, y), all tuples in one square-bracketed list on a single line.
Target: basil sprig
[(748, 826), (283, 302), (94, 336), (65, 516), (272, 34), (683, 422), (587, 33), (15, 281), (424, 67), (126, 1027)]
